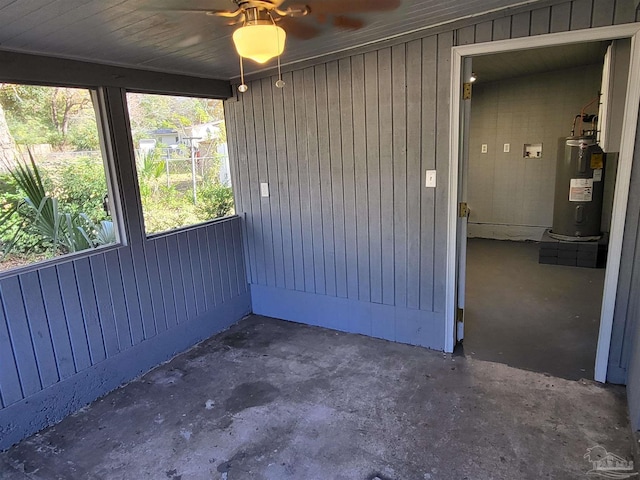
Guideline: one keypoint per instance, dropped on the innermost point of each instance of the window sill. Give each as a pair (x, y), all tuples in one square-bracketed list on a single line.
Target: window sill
[(68, 257), (196, 226)]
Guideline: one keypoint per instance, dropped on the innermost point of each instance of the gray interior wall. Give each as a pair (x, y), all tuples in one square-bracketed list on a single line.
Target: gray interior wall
[(633, 383), (627, 352), (349, 238), (633, 378), (628, 298), (343, 147), (511, 197), (78, 327)]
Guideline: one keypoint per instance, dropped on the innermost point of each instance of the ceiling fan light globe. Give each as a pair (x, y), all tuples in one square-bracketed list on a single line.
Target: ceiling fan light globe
[(259, 43)]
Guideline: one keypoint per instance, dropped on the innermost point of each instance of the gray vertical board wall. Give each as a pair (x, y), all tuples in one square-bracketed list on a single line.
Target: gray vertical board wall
[(633, 382), (73, 331), (385, 231), (628, 352), (632, 345), (343, 216), (627, 308)]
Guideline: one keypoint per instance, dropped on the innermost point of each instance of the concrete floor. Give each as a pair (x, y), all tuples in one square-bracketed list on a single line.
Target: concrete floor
[(518, 312), (276, 400)]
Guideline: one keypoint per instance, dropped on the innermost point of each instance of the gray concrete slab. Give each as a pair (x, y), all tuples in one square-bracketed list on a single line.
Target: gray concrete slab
[(527, 315), (9, 472), (274, 400)]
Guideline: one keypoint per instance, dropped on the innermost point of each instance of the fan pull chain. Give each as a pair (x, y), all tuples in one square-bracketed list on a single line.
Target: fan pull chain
[(243, 86), (279, 83)]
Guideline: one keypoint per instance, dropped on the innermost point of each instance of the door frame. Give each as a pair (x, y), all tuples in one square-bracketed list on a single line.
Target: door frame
[(623, 177)]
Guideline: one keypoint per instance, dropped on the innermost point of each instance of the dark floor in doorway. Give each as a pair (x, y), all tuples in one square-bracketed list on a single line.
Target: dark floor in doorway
[(275, 400), (537, 317)]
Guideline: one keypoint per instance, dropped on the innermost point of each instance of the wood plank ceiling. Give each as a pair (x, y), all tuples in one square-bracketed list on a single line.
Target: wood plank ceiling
[(134, 33)]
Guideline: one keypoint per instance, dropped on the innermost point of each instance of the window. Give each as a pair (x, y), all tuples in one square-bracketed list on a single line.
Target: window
[(181, 158), (54, 193)]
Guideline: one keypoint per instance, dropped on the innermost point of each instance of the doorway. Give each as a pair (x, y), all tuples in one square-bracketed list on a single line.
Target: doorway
[(457, 249), (527, 306)]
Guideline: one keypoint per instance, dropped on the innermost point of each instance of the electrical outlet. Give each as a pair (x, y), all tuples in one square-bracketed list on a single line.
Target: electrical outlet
[(507, 148), (264, 189), (485, 148)]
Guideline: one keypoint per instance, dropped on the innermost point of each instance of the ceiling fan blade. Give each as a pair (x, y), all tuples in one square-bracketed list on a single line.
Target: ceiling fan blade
[(206, 11), (297, 28), (197, 6), (293, 11), (348, 23), (225, 13), (339, 7), (240, 19)]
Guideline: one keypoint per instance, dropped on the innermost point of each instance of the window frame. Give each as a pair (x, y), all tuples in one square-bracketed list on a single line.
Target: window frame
[(178, 93), (114, 193)]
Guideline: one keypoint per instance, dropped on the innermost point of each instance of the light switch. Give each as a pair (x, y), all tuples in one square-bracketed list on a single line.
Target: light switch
[(430, 179), (485, 148), (507, 148), (264, 189)]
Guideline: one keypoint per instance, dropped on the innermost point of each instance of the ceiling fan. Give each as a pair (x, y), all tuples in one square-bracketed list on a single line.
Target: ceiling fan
[(266, 23)]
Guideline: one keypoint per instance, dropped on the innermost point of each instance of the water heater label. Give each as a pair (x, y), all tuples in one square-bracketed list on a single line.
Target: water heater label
[(581, 190), (597, 175)]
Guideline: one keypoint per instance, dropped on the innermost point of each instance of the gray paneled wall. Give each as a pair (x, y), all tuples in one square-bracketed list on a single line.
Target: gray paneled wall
[(344, 217), (74, 330), (633, 384), (60, 320), (342, 150), (627, 309), (627, 353), (68, 332), (348, 226)]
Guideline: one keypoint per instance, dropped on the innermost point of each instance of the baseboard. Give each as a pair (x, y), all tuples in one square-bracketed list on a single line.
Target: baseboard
[(398, 324), (49, 406)]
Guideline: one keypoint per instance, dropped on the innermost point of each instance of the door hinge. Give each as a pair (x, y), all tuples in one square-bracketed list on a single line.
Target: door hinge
[(459, 325), (463, 210), (466, 91)]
